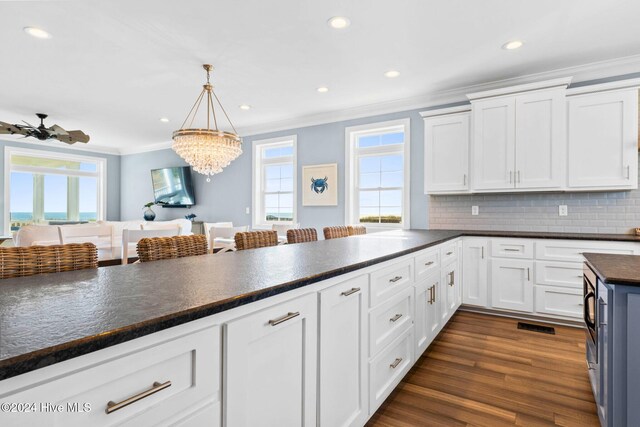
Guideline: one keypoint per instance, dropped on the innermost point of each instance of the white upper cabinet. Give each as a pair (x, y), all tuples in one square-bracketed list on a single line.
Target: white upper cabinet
[(494, 143), (446, 153), (519, 140), (603, 138), (540, 140)]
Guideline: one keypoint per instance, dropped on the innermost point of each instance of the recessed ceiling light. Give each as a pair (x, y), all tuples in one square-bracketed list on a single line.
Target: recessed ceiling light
[(245, 107), (339, 22), (164, 120), (392, 74), (513, 44), (38, 33), (323, 89)]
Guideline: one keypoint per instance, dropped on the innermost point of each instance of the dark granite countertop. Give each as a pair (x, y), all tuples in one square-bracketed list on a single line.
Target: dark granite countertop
[(615, 269), (50, 318)]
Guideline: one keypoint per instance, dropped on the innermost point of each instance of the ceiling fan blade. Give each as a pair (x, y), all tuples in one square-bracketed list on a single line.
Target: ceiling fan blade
[(29, 124), (6, 128), (57, 130), (73, 136)]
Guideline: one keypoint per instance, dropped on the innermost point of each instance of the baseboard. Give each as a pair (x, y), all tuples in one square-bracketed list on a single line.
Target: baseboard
[(522, 316)]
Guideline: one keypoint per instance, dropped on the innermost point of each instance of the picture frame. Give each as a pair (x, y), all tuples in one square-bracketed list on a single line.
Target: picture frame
[(320, 185)]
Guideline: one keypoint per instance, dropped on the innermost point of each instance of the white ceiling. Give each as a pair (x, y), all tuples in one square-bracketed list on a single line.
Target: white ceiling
[(113, 68)]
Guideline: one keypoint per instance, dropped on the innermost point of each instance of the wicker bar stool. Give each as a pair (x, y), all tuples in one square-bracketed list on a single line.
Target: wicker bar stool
[(335, 232), (159, 248), (357, 230), (256, 239), (301, 235), (32, 260)]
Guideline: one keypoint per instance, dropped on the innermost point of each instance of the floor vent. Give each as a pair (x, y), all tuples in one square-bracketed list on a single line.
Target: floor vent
[(536, 328)]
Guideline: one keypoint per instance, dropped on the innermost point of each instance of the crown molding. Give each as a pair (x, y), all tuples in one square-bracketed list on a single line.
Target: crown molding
[(602, 87), (52, 143), (446, 111), (509, 90), (437, 98)]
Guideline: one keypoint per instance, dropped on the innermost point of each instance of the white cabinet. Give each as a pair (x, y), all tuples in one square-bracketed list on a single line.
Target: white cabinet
[(603, 140), (475, 254), (559, 301), (512, 284), (519, 141), (270, 366), (343, 354), (493, 143), (446, 153), (427, 317), (540, 140), (451, 296)]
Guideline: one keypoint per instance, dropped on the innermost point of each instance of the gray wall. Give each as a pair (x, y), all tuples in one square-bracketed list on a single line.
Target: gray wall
[(593, 212), (113, 174), (229, 193)]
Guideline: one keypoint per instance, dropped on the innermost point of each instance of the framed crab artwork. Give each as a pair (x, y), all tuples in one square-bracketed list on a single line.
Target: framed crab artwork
[(320, 185)]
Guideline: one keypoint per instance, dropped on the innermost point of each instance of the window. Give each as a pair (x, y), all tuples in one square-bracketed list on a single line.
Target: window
[(378, 174), (274, 183), (52, 188)]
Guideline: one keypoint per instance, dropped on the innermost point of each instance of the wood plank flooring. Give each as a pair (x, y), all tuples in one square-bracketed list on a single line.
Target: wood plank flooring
[(483, 371)]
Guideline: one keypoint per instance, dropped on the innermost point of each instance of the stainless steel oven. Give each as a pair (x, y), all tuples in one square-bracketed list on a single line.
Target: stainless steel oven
[(590, 296)]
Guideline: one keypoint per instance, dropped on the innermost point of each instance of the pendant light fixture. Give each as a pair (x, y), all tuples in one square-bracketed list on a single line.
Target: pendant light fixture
[(208, 150)]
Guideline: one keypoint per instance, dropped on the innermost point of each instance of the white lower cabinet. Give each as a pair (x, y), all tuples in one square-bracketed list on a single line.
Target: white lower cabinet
[(270, 366), (475, 255), (512, 284), (427, 316), (343, 354), (559, 301), (451, 291), (387, 369), (389, 319)]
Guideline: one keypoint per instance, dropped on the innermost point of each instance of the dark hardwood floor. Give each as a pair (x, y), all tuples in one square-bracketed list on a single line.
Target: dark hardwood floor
[(482, 371)]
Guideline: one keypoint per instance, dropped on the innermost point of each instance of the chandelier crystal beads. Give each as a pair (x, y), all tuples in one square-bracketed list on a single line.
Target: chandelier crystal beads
[(208, 150)]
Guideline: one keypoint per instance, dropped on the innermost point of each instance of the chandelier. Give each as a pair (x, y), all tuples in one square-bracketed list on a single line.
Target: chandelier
[(207, 150)]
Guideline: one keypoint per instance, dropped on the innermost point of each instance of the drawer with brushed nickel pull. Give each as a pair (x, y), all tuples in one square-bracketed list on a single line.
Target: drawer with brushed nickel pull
[(388, 368), (427, 262), (448, 252), (389, 281), (512, 248), (389, 320), (141, 385)]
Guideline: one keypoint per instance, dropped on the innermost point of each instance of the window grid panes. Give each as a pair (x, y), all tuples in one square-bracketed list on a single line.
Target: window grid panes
[(276, 169), (379, 178), (53, 190)]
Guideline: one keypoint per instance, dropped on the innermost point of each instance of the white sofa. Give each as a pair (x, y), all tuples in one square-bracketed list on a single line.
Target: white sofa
[(30, 235)]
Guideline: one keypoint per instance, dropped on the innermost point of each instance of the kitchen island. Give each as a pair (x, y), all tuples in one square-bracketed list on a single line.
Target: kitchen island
[(353, 314)]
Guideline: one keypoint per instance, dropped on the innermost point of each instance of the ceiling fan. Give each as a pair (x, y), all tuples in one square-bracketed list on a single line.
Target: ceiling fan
[(44, 133)]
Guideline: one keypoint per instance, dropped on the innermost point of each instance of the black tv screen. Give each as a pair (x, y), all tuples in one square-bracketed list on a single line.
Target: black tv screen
[(172, 187)]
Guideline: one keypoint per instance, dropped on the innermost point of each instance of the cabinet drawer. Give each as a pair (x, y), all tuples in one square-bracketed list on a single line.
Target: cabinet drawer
[(512, 248), (551, 273), (571, 250), (426, 264), (184, 372), (448, 253), (390, 320), (390, 280), (388, 368), (566, 302)]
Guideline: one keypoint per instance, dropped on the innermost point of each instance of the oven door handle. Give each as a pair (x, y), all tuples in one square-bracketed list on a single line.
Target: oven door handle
[(588, 321)]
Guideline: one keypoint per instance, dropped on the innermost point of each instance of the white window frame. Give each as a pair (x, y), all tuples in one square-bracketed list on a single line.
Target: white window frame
[(101, 174), (352, 173), (257, 178)]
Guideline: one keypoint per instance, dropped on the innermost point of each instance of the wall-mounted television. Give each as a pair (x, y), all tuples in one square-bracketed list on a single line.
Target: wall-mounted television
[(173, 187)]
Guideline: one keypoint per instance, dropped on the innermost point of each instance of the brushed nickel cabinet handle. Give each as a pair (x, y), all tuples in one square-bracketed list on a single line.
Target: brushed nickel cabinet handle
[(350, 291), (528, 274), (482, 249), (450, 252), (511, 250), (284, 318), (628, 172), (518, 177), (430, 300), (395, 363), (157, 386), (396, 317), (434, 292), (428, 263), (395, 279), (464, 179)]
